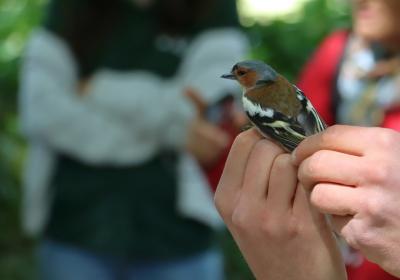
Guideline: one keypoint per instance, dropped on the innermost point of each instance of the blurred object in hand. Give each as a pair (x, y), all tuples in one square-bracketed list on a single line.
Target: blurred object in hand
[(205, 141), (228, 114), (219, 123)]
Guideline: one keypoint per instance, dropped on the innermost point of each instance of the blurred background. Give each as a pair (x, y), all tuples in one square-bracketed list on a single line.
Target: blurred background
[(282, 32)]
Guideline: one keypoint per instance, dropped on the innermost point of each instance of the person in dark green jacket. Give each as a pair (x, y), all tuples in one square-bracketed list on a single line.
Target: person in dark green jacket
[(111, 187)]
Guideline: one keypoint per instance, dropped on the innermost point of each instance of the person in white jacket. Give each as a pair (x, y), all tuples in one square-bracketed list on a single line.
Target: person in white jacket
[(111, 185)]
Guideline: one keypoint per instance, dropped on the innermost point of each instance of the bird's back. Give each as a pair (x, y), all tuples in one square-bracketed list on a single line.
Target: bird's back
[(270, 95), (281, 111)]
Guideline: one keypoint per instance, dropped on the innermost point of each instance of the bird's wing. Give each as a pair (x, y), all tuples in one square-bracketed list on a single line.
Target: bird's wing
[(309, 118), (277, 126)]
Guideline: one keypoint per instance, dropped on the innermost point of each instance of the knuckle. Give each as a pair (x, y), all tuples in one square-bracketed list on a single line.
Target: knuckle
[(359, 236), (224, 205), (242, 215), (373, 208), (386, 138), (318, 198), (269, 228), (350, 239), (265, 146), (313, 165), (282, 162), (242, 140), (245, 138), (379, 174), (266, 149), (277, 230), (302, 173), (317, 161), (365, 238), (293, 228), (330, 134), (350, 234), (240, 220)]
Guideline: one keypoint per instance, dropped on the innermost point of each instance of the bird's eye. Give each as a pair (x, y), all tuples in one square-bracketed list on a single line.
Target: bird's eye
[(241, 73)]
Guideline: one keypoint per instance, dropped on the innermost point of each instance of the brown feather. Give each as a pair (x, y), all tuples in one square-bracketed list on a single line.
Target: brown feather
[(248, 80), (279, 95)]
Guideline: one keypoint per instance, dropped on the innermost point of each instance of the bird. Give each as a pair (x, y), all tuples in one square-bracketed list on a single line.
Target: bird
[(275, 106)]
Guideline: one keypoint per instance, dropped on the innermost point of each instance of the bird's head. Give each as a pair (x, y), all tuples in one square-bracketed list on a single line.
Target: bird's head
[(250, 73)]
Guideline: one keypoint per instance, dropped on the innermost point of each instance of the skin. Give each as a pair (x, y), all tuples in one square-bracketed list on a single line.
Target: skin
[(269, 215), (353, 174), (378, 21), (205, 141)]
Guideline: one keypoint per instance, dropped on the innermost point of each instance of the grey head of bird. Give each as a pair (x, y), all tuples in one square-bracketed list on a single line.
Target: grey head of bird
[(250, 73)]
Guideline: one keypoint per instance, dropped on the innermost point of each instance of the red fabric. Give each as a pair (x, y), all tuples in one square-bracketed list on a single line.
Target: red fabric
[(225, 122), (392, 120), (214, 173), (317, 82), (368, 271), (317, 77)]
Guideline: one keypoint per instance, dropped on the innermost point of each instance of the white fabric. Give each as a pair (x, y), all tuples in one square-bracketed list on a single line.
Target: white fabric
[(212, 54), (364, 100), (111, 123)]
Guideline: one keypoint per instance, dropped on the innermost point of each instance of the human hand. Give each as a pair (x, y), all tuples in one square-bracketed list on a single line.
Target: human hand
[(353, 174), (205, 140), (269, 216)]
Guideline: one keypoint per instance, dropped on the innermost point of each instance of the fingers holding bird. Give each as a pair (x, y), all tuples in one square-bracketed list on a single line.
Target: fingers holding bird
[(269, 215), (259, 177), (231, 181), (282, 185), (262, 160), (205, 140), (331, 166), (341, 138)]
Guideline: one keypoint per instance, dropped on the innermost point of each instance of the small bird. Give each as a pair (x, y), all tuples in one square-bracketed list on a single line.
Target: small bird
[(279, 109)]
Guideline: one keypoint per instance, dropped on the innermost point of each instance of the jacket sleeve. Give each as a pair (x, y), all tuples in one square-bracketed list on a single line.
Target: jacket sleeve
[(211, 54), (52, 111), (155, 106)]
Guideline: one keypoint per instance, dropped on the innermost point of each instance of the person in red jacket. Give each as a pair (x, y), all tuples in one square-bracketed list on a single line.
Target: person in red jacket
[(354, 78)]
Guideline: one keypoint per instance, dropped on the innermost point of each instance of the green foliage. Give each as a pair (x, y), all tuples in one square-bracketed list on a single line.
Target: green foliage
[(17, 17), (284, 44), (235, 265)]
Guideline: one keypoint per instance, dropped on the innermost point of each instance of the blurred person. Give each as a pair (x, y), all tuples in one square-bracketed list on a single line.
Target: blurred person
[(354, 78), (113, 184)]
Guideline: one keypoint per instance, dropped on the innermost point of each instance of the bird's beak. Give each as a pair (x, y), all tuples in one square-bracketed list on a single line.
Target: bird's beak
[(229, 76)]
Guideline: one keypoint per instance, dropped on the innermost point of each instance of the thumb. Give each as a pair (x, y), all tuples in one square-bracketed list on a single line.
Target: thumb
[(197, 100)]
